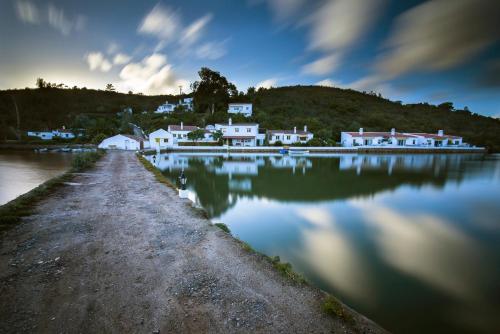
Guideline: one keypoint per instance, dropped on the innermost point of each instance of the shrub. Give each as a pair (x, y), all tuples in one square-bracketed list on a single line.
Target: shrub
[(85, 160), (97, 139), (223, 227), (278, 143)]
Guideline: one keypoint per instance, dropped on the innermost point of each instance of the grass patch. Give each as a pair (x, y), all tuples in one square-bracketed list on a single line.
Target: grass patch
[(333, 307), (223, 227), (286, 270), (12, 212), (156, 172)]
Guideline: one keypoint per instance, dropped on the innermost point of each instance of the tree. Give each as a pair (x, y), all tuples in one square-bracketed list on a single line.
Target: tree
[(110, 88), (40, 83), (212, 92), (196, 135), (217, 135)]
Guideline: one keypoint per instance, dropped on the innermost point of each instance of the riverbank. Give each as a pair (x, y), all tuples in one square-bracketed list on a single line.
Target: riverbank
[(37, 146), (117, 251), (332, 149)]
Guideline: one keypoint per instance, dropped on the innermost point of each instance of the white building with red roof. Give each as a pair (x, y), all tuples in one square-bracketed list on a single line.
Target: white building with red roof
[(289, 137), (241, 134), (393, 138)]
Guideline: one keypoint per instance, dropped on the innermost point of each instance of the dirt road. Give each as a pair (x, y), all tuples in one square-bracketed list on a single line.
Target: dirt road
[(118, 252)]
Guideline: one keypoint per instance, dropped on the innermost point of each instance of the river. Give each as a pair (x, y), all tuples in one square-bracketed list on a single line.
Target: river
[(21, 171), (411, 241)]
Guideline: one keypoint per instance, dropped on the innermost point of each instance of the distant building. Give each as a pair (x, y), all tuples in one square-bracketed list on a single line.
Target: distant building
[(123, 142), (289, 137), (241, 134), (393, 138), (45, 135), (59, 133), (181, 131), (240, 108), (187, 103)]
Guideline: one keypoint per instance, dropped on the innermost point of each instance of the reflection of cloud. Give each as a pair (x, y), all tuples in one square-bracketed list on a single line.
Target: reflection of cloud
[(332, 255), (426, 247)]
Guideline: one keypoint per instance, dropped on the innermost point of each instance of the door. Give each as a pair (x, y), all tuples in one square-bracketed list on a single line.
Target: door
[(127, 144)]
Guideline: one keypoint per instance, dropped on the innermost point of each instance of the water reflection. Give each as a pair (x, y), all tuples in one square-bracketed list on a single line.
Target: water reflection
[(413, 241)]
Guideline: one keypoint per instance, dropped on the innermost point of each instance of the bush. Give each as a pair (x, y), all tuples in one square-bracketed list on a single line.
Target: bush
[(85, 160), (278, 143), (98, 138), (223, 227)]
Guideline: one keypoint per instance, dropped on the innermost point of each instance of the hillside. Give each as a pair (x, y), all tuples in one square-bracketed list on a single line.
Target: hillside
[(325, 110)]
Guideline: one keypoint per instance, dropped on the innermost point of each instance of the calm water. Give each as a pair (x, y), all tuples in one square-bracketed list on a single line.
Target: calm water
[(411, 241), (21, 171)]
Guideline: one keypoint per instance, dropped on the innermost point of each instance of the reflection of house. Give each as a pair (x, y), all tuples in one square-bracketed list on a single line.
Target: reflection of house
[(241, 134), (240, 185), (238, 168), (240, 108), (393, 138), (160, 139), (288, 137), (123, 142), (187, 103)]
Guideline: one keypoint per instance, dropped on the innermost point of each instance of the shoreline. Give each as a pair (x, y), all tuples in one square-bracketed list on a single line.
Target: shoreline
[(215, 283)]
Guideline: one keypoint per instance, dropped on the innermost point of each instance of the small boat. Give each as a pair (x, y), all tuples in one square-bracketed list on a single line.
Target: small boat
[(298, 152)]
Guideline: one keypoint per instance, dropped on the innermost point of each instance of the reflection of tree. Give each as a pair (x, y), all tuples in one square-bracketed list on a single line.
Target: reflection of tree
[(324, 180)]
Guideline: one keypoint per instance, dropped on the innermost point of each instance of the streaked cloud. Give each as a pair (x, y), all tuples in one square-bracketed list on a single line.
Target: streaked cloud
[(322, 66), (212, 50), (268, 83), (97, 62), (283, 9), (162, 22), (193, 32), (440, 34), (153, 75), (27, 12), (329, 83), (55, 17)]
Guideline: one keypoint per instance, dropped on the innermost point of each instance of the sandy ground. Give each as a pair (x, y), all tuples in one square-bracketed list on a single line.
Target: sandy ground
[(118, 252)]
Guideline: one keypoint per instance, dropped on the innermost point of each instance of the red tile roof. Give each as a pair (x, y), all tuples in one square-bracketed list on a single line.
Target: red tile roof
[(299, 132), (238, 137), (381, 134), (189, 128), (435, 136)]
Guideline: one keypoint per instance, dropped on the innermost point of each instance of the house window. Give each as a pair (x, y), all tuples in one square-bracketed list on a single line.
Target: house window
[(288, 137), (236, 129), (401, 143), (249, 130)]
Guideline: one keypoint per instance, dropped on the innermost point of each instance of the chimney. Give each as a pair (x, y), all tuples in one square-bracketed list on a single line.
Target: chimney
[(360, 131), (64, 127), (168, 128), (393, 132), (305, 128), (230, 122), (182, 125), (294, 129), (440, 133)]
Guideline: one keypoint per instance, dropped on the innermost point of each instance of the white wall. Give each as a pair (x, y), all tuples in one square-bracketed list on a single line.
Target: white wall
[(161, 138), (120, 142), (289, 138), (240, 108)]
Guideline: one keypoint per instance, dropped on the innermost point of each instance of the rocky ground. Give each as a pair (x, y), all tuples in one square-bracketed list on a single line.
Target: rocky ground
[(115, 251)]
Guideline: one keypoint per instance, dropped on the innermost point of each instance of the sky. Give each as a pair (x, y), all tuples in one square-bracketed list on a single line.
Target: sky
[(414, 51)]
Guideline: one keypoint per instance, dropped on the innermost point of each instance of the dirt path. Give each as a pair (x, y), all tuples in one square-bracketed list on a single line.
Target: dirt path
[(121, 253)]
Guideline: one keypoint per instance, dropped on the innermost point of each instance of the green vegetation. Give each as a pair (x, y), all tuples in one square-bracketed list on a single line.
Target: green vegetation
[(196, 135), (156, 172), (12, 212), (223, 227), (332, 306), (286, 270), (325, 110)]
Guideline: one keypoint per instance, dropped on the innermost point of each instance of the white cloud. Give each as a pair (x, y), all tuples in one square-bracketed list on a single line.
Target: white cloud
[(329, 83), (161, 22), (285, 9), (268, 83), (193, 32), (97, 61), (440, 34), (121, 58), (113, 47), (322, 66), (338, 24), (151, 76), (211, 50), (27, 12)]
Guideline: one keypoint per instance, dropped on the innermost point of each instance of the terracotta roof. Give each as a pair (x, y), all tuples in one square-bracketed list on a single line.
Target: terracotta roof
[(435, 136), (188, 128), (239, 103), (381, 134), (238, 137), (136, 138), (238, 124), (299, 132)]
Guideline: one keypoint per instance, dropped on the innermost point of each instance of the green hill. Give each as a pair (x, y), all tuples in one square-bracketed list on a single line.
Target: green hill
[(326, 111)]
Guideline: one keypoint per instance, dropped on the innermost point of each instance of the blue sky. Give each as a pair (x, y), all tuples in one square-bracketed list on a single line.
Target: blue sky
[(414, 51)]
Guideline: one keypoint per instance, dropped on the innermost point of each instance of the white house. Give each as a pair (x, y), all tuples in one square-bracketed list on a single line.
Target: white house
[(240, 108), (161, 139), (169, 107), (181, 131), (393, 138), (123, 142), (289, 137), (63, 133), (438, 139), (45, 135), (240, 134)]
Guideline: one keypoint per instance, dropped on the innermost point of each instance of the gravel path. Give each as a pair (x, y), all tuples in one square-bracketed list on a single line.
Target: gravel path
[(118, 252)]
